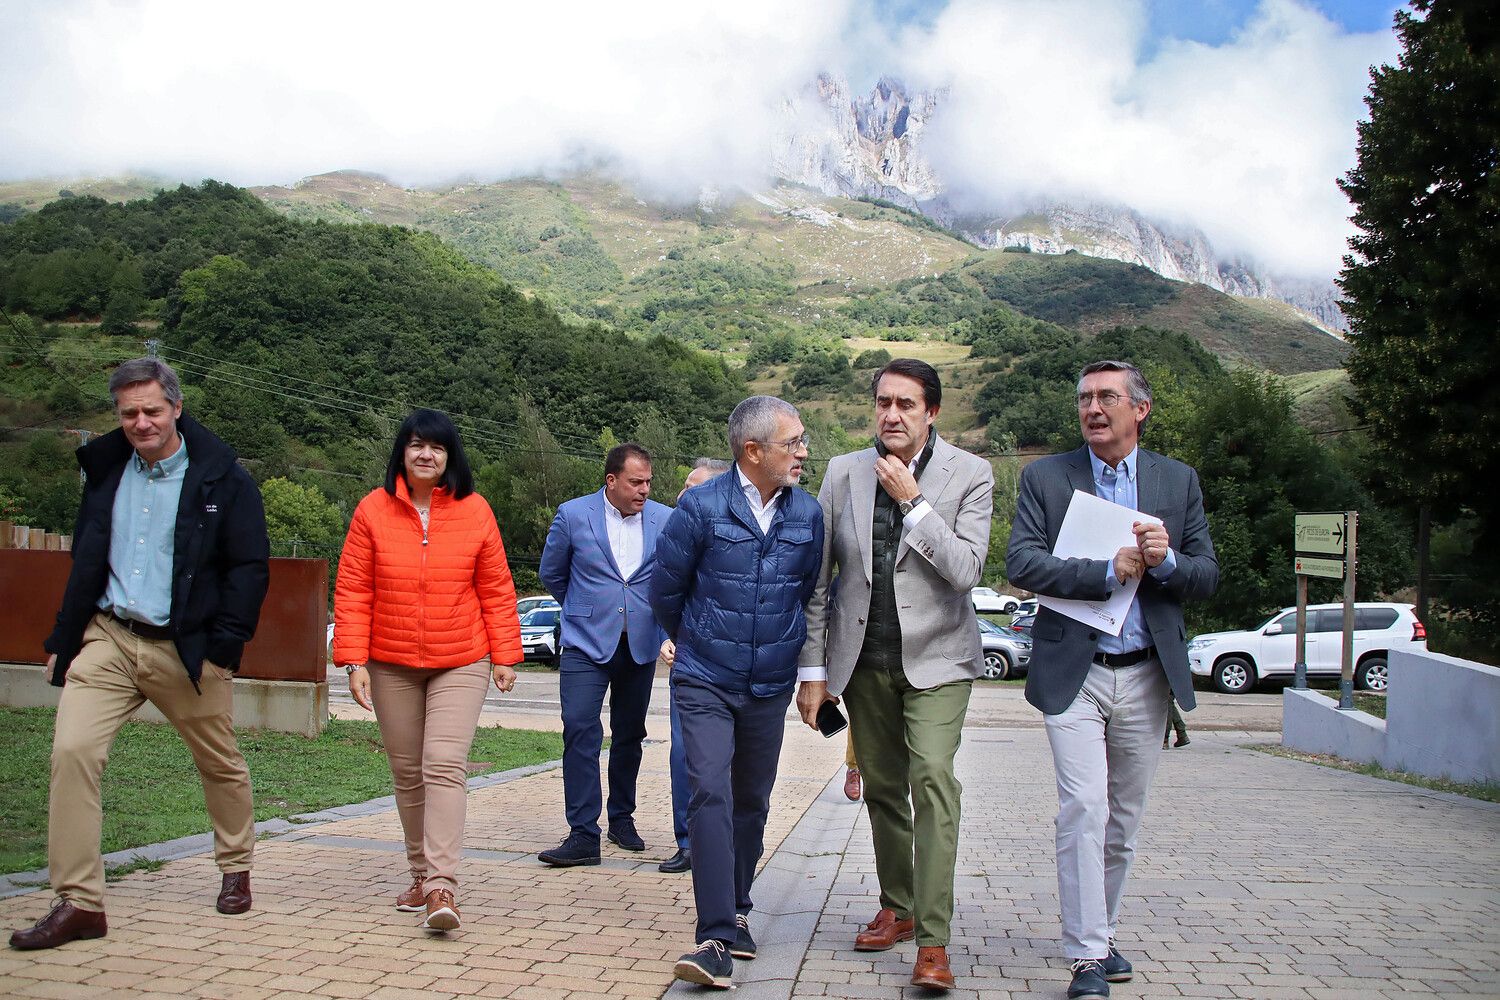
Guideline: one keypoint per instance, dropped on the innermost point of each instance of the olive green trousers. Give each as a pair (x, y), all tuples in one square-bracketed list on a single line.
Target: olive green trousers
[(905, 740)]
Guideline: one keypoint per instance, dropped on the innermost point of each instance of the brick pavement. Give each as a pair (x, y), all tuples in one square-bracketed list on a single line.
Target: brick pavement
[(1258, 877)]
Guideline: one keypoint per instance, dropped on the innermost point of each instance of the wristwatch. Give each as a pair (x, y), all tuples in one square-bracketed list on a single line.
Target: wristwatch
[(906, 506), (349, 668)]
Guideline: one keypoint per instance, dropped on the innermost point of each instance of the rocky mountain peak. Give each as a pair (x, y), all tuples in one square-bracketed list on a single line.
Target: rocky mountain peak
[(870, 146)]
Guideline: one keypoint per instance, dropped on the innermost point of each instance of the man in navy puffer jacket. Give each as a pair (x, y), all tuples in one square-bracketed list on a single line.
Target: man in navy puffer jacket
[(735, 565)]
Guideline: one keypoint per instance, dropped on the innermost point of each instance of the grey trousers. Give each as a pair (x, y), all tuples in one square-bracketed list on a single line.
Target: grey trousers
[(1105, 748)]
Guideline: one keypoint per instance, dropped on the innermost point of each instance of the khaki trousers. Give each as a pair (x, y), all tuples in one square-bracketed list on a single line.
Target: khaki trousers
[(905, 739), (427, 719), (114, 673)]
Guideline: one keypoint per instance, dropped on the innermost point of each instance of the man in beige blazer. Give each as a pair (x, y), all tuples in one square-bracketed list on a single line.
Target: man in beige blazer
[(891, 630)]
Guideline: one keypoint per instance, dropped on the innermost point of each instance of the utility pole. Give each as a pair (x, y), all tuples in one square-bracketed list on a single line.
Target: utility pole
[(83, 439)]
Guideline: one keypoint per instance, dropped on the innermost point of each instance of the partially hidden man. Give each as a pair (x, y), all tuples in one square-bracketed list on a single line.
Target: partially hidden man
[(735, 565), (891, 629), (170, 566), (597, 562), (1105, 697)]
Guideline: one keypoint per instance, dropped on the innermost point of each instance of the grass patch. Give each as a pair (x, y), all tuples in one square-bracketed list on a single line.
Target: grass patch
[(113, 873), (1483, 791), (152, 793)]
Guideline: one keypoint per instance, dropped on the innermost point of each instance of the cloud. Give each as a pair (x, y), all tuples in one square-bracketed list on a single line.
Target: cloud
[(1053, 99), (674, 92), (1050, 98)]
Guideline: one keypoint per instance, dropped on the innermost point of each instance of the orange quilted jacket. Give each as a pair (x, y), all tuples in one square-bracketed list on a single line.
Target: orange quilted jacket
[(442, 598)]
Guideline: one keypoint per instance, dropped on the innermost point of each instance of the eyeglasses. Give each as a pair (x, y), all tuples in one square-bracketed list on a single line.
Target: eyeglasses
[(792, 444), (1107, 399)]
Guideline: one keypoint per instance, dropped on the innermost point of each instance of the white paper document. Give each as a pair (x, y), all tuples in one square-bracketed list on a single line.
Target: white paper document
[(1097, 529)]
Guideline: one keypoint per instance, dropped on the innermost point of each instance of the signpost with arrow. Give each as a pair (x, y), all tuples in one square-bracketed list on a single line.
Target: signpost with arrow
[(1323, 546)]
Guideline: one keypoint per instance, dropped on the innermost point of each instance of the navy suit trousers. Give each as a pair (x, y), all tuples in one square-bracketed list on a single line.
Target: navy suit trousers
[(581, 688), (733, 744)]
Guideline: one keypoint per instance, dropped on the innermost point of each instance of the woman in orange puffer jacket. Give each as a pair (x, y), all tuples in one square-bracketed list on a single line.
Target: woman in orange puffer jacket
[(425, 614)]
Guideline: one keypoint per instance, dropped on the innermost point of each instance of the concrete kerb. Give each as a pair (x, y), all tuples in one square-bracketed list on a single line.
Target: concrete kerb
[(301, 826), (790, 892)]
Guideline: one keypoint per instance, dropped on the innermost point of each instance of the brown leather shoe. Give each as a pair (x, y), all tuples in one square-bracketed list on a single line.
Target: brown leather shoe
[(882, 933), (234, 897), (414, 899), (442, 911), (63, 923), (852, 784), (932, 969)]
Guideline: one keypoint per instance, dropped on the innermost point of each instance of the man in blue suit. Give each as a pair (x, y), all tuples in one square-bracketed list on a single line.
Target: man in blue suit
[(597, 562)]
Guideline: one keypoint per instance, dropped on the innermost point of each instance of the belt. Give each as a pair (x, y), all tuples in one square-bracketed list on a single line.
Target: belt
[(142, 629), (1130, 659)]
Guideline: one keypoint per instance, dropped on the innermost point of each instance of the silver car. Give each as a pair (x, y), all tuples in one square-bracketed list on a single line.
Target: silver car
[(1006, 655)]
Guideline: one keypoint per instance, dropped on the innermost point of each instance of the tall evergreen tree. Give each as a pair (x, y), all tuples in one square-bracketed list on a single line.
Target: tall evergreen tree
[(1423, 282)]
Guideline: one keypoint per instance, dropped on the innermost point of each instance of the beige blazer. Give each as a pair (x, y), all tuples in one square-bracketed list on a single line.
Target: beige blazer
[(940, 560)]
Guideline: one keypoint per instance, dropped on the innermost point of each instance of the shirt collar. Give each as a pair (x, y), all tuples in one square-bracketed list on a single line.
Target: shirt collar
[(167, 466), (613, 513), (1128, 461), (752, 492)]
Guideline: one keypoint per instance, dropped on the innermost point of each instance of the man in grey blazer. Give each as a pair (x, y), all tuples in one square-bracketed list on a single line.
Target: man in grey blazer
[(1105, 697), (891, 629)]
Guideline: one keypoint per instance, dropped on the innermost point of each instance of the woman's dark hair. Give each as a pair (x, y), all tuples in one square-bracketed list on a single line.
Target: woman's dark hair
[(434, 426)]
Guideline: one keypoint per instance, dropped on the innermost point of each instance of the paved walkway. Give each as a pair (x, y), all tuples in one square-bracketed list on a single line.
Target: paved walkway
[(1259, 877)]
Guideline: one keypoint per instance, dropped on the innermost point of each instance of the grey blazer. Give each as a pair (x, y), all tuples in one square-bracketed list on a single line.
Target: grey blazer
[(1063, 649), (939, 561)]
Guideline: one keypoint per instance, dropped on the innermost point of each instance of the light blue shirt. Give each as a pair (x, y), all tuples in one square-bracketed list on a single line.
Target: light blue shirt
[(1118, 485), (141, 538)]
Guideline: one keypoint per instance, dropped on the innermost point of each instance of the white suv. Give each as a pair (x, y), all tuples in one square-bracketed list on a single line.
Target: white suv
[(987, 600), (1236, 660)]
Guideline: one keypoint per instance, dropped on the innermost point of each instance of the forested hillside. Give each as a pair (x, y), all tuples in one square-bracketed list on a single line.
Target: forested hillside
[(303, 343)]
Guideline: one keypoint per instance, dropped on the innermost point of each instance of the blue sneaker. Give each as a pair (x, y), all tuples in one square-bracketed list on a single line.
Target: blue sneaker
[(708, 964), (744, 944), (1088, 981), (1116, 968)]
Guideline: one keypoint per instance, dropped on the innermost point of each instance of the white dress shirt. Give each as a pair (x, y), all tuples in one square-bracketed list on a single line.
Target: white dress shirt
[(627, 539), (763, 512)]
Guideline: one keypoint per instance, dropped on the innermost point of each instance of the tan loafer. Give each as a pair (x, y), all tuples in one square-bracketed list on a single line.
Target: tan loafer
[(882, 933), (932, 969)]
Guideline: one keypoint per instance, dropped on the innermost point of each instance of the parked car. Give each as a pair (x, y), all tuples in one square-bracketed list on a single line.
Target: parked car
[(1026, 607), (1020, 624), (1237, 660), (526, 604), (988, 600), (539, 628), (1006, 655)]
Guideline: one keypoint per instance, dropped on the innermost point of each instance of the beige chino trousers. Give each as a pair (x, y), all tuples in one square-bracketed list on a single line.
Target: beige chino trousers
[(427, 719), (114, 673)]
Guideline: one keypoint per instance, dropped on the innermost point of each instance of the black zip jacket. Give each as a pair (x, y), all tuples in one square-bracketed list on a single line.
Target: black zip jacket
[(220, 553)]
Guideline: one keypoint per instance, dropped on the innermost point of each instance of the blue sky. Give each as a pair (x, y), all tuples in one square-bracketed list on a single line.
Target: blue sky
[(1207, 21)]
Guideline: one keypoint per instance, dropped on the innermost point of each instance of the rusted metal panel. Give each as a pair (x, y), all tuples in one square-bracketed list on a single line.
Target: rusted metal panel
[(290, 642)]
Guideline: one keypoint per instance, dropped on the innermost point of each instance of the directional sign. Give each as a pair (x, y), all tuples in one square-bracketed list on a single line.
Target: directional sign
[(1321, 534), (1333, 569)]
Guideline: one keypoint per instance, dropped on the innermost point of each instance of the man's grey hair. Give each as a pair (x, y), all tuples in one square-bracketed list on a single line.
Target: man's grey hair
[(141, 370), (755, 419), (713, 465), (1135, 382)]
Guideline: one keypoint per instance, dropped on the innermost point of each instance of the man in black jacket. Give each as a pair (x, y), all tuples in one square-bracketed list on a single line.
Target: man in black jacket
[(169, 572)]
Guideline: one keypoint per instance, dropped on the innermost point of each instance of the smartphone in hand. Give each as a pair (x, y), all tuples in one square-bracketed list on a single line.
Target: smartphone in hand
[(831, 721)]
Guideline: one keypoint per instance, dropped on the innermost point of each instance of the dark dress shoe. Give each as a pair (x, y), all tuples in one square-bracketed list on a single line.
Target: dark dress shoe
[(932, 969), (623, 836), (882, 933), (1088, 981), (1116, 967), (63, 923), (572, 852), (682, 861), (234, 897)]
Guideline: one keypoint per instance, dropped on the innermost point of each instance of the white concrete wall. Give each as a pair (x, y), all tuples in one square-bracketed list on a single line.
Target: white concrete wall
[(284, 706), (1443, 717), (1442, 720)]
